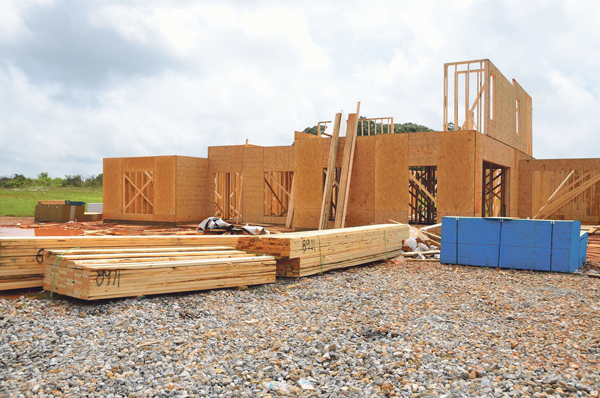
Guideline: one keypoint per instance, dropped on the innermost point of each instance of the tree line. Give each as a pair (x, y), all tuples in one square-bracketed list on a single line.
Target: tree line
[(377, 128), (44, 180)]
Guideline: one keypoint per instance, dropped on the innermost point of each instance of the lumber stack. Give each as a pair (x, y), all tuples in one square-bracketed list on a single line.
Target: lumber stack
[(21, 258), (101, 274), (308, 253)]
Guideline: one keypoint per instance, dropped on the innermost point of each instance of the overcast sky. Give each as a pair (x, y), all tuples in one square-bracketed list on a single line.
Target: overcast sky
[(85, 80)]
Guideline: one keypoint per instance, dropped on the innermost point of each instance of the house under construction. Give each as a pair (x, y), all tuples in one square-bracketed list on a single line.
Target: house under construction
[(481, 164)]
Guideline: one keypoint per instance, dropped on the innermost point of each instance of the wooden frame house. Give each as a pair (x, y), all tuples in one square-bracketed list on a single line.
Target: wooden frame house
[(480, 164)]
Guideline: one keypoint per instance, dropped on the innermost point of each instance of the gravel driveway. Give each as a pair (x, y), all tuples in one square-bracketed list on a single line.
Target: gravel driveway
[(414, 329)]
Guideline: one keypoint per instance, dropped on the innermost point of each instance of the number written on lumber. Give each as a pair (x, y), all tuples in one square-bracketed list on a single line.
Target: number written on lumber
[(309, 244), (108, 278)]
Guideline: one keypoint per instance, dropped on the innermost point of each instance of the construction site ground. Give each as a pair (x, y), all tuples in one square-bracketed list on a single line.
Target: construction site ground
[(395, 329)]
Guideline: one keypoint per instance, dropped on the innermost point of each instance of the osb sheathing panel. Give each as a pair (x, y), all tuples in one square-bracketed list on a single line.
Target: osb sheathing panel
[(422, 149), (502, 126), (194, 202), (523, 140), (226, 159), (361, 201), (164, 189), (253, 184), (145, 163), (456, 173), (391, 178), (111, 188), (308, 180), (540, 178)]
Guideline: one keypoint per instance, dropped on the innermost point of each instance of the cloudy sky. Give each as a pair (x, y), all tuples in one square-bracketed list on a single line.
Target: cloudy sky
[(85, 80)]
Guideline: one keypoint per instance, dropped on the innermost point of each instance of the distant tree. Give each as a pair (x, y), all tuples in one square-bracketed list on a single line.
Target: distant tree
[(314, 130), (410, 128), (16, 181), (74, 180), (372, 128)]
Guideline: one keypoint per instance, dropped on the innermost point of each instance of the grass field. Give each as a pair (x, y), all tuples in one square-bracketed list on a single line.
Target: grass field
[(22, 202)]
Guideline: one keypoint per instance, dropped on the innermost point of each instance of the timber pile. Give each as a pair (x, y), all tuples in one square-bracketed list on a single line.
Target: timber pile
[(21, 258), (102, 274), (308, 253)]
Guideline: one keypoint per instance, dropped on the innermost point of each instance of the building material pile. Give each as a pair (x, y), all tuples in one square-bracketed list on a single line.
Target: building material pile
[(101, 274), (21, 258), (59, 211), (308, 253)]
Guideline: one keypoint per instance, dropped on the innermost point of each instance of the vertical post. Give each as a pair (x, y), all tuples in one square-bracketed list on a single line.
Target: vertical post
[(455, 97)]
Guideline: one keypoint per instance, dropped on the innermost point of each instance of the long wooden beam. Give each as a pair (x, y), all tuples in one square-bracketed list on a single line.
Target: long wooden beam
[(326, 204), (347, 164)]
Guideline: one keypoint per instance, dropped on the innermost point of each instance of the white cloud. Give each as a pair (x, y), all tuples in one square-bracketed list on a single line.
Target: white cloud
[(163, 78)]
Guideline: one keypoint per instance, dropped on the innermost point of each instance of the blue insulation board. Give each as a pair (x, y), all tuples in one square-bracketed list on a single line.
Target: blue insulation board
[(539, 245)]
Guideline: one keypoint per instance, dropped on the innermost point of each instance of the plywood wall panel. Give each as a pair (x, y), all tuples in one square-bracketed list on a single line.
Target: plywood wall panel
[(308, 175), (503, 125), (422, 149), (361, 200), (456, 173), (391, 177), (194, 190), (111, 188), (165, 182)]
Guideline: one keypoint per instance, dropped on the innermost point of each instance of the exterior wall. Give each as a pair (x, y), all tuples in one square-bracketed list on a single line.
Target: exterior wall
[(184, 186), (502, 125), (456, 178), (379, 184), (178, 188), (193, 201), (540, 178)]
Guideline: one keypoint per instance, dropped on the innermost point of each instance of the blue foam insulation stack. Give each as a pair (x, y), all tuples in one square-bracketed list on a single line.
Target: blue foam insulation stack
[(538, 245)]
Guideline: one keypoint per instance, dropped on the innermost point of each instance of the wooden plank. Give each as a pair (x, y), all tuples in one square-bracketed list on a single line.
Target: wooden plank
[(326, 204), (347, 163), (310, 252), (18, 256), (289, 221)]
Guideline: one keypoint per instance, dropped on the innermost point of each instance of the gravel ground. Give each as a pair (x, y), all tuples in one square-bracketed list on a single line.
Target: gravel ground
[(414, 329)]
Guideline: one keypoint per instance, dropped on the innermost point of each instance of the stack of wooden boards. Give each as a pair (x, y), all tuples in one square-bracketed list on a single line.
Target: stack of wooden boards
[(308, 253), (21, 258), (92, 274)]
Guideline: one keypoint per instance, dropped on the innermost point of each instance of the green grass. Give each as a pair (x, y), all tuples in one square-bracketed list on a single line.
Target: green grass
[(21, 202)]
